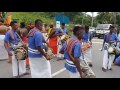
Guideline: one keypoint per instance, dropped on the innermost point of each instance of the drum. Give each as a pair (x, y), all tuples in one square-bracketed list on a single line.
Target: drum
[(64, 38), (88, 73), (20, 53), (117, 50), (111, 50), (49, 53)]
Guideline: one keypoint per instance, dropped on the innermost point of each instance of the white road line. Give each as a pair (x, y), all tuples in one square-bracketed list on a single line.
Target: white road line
[(98, 42), (58, 72)]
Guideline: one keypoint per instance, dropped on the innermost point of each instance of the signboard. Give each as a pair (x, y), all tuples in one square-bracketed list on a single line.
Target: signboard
[(62, 18), (57, 24)]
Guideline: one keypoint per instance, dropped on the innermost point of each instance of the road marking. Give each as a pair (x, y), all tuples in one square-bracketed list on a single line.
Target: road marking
[(58, 72), (98, 42)]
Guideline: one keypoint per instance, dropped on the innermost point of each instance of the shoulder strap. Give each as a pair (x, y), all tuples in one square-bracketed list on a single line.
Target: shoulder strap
[(31, 33), (70, 45), (11, 34)]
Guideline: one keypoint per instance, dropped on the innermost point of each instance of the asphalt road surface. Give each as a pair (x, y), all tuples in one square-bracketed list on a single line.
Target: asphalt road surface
[(58, 70)]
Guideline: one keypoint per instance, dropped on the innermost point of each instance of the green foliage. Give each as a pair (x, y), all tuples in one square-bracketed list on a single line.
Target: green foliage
[(28, 17)]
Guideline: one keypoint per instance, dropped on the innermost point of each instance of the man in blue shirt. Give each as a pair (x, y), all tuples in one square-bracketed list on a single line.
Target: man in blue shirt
[(64, 29), (72, 52), (61, 32), (87, 38), (108, 58), (39, 61), (11, 38)]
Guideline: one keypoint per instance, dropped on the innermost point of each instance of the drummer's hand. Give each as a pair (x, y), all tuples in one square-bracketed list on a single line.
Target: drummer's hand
[(81, 75), (47, 57), (47, 43), (24, 45), (10, 54), (91, 43), (101, 49)]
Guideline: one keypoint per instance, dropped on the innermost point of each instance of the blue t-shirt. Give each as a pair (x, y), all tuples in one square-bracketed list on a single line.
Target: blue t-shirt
[(87, 37), (76, 53), (59, 31), (117, 61), (108, 37), (9, 39), (33, 42)]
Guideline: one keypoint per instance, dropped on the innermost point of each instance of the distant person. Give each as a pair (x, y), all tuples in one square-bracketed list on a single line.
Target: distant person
[(109, 38), (64, 29), (87, 38), (52, 37), (8, 18)]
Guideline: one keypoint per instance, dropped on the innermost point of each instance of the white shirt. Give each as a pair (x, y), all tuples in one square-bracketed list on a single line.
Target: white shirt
[(3, 52)]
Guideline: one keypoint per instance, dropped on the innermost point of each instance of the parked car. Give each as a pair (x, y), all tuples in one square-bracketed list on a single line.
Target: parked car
[(92, 29), (102, 29)]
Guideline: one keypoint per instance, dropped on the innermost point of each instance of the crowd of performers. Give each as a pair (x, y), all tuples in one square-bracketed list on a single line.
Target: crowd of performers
[(37, 38)]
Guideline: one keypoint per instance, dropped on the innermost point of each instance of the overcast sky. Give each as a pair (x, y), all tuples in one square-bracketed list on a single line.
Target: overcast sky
[(89, 13)]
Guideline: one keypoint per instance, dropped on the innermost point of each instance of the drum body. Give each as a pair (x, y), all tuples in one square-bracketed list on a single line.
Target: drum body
[(20, 53), (111, 50), (88, 73), (49, 53), (64, 38)]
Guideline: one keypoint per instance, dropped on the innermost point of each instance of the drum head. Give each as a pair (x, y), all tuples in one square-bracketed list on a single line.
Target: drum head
[(63, 36), (20, 54)]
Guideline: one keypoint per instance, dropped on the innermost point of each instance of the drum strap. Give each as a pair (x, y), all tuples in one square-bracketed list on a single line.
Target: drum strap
[(31, 33), (11, 34), (70, 44)]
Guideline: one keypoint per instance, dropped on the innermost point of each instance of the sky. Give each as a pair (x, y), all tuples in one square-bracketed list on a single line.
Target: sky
[(89, 13)]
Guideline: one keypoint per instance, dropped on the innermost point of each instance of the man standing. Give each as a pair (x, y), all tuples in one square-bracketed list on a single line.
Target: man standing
[(72, 52), (39, 61), (11, 38), (61, 32), (109, 38), (64, 29), (87, 38)]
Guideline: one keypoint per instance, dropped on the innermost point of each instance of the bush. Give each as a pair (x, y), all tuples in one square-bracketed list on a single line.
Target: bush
[(30, 17)]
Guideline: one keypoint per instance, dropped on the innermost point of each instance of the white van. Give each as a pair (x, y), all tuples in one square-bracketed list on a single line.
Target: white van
[(102, 29)]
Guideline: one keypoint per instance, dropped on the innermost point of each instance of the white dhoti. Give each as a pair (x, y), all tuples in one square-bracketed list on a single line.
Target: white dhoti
[(59, 47), (3, 52), (40, 68), (88, 55), (73, 75), (22, 66), (107, 62)]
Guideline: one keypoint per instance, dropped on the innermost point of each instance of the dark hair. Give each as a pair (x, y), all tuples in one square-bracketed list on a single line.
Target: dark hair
[(86, 27), (46, 25), (38, 20), (22, 24), (63, 24), (77, 28), (111, 27), (2, 20), (12, 23)]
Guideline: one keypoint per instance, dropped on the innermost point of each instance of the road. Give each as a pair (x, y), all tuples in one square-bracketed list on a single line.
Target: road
[(58, 70)]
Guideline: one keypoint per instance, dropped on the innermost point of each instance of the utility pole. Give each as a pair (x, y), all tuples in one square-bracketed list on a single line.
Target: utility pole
[(92, 18), (114, 14)]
